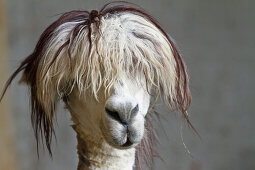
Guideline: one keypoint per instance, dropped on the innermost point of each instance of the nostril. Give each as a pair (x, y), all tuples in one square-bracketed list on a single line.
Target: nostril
[(135, 111), (122, 115), (114, 115), (125, 124)]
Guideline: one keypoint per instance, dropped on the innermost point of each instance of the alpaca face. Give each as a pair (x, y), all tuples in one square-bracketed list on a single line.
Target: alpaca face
[(118, 116)]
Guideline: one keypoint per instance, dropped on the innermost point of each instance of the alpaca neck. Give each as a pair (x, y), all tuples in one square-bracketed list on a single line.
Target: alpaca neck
[(94, 154)]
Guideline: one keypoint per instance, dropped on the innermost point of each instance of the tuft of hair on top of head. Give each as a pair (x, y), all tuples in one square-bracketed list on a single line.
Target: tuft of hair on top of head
[(98, 47)]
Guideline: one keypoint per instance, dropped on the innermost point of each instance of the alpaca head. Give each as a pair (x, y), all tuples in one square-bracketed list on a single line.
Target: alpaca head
[(105, 65), (118, 115)]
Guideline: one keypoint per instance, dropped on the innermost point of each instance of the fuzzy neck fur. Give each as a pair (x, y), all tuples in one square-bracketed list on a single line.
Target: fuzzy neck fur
[(93, 151), (94, 154)]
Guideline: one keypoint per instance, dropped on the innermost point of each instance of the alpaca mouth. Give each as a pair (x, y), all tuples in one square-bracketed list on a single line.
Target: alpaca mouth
[(123, 144), (127, 144), (123, 141)]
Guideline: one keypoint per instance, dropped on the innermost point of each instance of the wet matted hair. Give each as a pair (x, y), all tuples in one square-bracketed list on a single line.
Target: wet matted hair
[(89, 50)]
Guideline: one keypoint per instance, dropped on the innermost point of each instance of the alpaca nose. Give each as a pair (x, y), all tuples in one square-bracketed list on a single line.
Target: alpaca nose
[(122, 114)]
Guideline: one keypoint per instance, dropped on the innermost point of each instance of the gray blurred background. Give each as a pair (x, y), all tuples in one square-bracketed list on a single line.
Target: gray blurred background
[(217, 40)]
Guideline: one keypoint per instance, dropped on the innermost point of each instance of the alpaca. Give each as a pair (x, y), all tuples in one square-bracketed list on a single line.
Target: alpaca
[(106, 66)]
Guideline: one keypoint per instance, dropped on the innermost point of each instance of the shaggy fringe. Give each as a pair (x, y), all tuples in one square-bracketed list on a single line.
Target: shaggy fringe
[(91, 50)]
